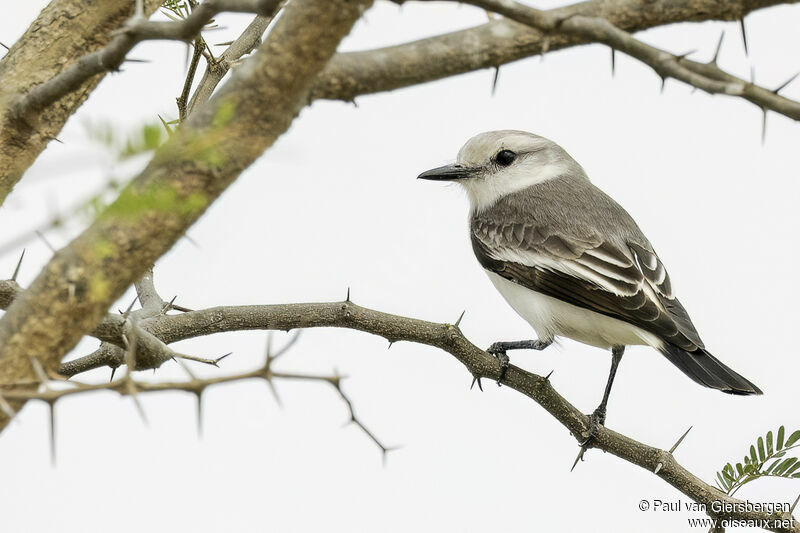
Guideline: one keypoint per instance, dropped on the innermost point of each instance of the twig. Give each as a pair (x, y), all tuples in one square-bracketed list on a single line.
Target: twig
[(216, 70), (351, 74), (136, 30), (199, 45), (705, 76), (127, 386)]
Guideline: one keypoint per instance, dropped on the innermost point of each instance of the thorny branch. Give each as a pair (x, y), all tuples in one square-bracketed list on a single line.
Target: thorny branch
[(52, 391), (38, 56), (205, 155), (136, 30), (705, 76), (447, 337), (491, 45), (497, 43), (216, 69)]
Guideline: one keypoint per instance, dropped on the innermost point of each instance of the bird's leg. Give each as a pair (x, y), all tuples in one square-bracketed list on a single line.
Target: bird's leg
[(598, 417), (498, 349)]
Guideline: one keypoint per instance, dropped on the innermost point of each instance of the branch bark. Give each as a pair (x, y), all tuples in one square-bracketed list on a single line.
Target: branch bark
[(705, 76), (499, 42), (190, 171), (62, 33)]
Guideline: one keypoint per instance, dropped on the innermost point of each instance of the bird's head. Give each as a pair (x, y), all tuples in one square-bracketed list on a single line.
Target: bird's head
[(497, 163)]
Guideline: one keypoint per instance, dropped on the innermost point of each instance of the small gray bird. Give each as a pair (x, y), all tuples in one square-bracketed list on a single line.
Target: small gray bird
[(570, 260)]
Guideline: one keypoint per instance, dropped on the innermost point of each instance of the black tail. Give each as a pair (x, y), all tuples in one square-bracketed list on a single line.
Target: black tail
[(709, 371)]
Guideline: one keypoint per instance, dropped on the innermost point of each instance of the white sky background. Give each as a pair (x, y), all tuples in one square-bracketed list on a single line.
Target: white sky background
[(335, 204)]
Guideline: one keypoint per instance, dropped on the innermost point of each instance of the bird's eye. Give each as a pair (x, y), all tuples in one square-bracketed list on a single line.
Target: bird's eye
[(505, 157)]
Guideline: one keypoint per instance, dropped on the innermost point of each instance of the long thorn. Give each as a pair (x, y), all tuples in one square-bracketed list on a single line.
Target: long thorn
[(268, 349), (458, 322), (199, 395), (744, 36), (579, 458), (167, 306), (274, 392), (763, 125), (289, 344), (791, 511), (52, 408), (494, 80), (19, 264), (130, 307), (139, 407), (719, 47), (476, 379), (675, 446), (784, 84), (613, 61), (45, 241), (218, 359)]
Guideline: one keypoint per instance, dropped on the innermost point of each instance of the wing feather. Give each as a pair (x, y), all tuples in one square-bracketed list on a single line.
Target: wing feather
[(625, 280)]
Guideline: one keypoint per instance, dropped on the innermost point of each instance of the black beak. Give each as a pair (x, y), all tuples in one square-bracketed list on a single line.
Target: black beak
[(446, 173)]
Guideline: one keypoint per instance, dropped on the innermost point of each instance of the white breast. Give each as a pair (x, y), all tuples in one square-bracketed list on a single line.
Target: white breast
[(551, 317)]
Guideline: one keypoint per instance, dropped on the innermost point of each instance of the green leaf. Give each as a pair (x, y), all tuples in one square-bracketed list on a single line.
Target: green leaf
[(727, 472), (771, 448), (781, 468), (791, 471), (768, 470)]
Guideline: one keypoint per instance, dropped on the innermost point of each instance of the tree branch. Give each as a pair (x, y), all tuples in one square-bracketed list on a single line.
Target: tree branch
[(216, 70), (39, 55), (351, 74), (203, 157), (449, 338), (706, 76), (135, 30)]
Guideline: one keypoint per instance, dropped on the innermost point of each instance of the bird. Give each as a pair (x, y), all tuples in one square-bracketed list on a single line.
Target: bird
[(571, 261)]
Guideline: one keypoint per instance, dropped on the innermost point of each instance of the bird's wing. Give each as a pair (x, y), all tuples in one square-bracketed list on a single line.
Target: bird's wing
[(623, 280)]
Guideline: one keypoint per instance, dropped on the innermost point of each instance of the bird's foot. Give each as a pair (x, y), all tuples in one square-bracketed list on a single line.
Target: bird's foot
[(596, 419), (498, 350)]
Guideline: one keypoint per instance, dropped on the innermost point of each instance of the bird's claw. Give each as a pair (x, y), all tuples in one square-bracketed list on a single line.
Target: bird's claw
[(500, 354)]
